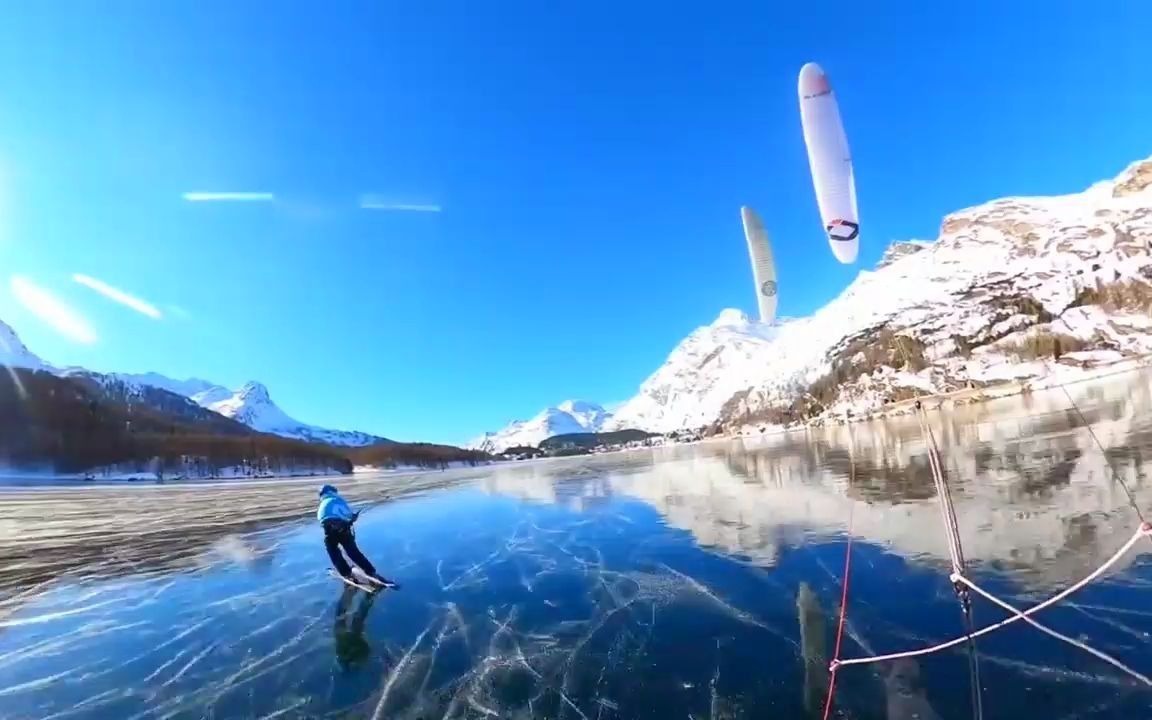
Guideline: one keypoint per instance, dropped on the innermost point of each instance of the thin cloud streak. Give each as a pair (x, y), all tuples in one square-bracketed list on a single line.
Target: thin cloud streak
[(179, 312), (229, 196), (51, 310), (375, 202), (117, 295)]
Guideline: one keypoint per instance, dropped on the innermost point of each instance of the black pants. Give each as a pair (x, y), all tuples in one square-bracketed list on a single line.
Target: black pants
[(338, 534)]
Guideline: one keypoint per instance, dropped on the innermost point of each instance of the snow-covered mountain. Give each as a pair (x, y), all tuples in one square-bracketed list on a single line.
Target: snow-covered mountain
[(214, 395), (250, 405), (121, 389), (253, 406), (1002, 282), (189, 388), (571, 416), (706, 368), (14, 354)]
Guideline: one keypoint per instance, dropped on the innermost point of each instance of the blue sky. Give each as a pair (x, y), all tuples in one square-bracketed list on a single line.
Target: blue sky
[(588, 161)]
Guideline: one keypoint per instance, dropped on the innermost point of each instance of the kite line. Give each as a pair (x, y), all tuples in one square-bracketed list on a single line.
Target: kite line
[(963, 584)]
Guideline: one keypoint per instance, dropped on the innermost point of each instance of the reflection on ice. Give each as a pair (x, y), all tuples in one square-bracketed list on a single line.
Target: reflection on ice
[(1033, 492), (680, 582), (907, 699)]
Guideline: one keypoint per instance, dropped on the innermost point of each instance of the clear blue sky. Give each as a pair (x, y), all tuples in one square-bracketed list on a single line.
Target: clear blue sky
[(588, 159)]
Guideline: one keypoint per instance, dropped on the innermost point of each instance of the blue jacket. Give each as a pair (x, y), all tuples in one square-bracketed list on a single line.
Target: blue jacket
[(332, 506)]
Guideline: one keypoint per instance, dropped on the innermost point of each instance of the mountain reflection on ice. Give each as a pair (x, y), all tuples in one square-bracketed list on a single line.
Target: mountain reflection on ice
[(656, 584)]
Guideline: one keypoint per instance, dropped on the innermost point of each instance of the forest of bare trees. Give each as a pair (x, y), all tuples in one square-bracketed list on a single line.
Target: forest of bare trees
[(423, 455), (74, 425)]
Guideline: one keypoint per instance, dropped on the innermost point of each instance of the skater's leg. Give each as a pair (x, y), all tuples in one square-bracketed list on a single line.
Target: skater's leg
[(354, 554), (332, 545)]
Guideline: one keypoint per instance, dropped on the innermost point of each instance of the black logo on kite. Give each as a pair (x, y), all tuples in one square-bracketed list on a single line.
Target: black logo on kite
[(768, 288), (842, 230)]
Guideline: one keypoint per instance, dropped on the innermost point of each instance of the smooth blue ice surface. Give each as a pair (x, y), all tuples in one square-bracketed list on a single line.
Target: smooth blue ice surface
[(658, 584)]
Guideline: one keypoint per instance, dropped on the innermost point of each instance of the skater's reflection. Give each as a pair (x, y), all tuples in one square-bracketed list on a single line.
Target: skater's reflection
[(352, 650)]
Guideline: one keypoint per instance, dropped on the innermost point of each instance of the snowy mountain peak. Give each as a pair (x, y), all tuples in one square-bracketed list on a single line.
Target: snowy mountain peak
[(587, 415), (251, 405), (731, 317), (577, 406), (580, 408), (999, 273), (254, 392), (706, 368), (14, 354), (570, 416), (212, 395), (898, 250)]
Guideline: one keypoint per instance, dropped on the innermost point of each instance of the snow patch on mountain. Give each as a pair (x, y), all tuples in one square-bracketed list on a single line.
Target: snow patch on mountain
[(188, 388), (587, 415), (999, 274), (706, 369), (214, 395), (14, 354), (571, 416), (251, 405)]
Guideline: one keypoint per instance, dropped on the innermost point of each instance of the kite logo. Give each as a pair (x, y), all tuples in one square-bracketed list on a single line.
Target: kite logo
[(842, 230), (768, 288)]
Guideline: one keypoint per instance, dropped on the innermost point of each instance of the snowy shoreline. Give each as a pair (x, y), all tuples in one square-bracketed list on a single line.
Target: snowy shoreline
[(1056, 375), (409, 469), (16, 476)]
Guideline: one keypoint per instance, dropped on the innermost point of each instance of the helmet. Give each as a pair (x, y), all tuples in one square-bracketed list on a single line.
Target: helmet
[(327, 489)]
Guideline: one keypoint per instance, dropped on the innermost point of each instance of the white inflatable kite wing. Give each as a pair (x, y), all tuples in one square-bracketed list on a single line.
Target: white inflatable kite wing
[(763, 268), (830, 162)]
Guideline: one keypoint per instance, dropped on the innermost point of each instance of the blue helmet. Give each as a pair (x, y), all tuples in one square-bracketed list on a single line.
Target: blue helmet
[(327, 489)]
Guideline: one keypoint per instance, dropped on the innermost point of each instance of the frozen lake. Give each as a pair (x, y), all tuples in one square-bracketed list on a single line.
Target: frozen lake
[(656, 584)]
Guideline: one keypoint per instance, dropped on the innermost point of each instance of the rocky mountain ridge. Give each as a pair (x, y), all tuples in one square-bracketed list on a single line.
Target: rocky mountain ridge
[(251, 404), (1008, 289)]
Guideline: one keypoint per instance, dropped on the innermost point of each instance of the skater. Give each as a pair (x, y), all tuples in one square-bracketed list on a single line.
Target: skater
[(337, 517)]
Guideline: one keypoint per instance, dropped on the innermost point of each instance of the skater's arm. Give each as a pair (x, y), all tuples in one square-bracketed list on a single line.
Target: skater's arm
[(347, 512)]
